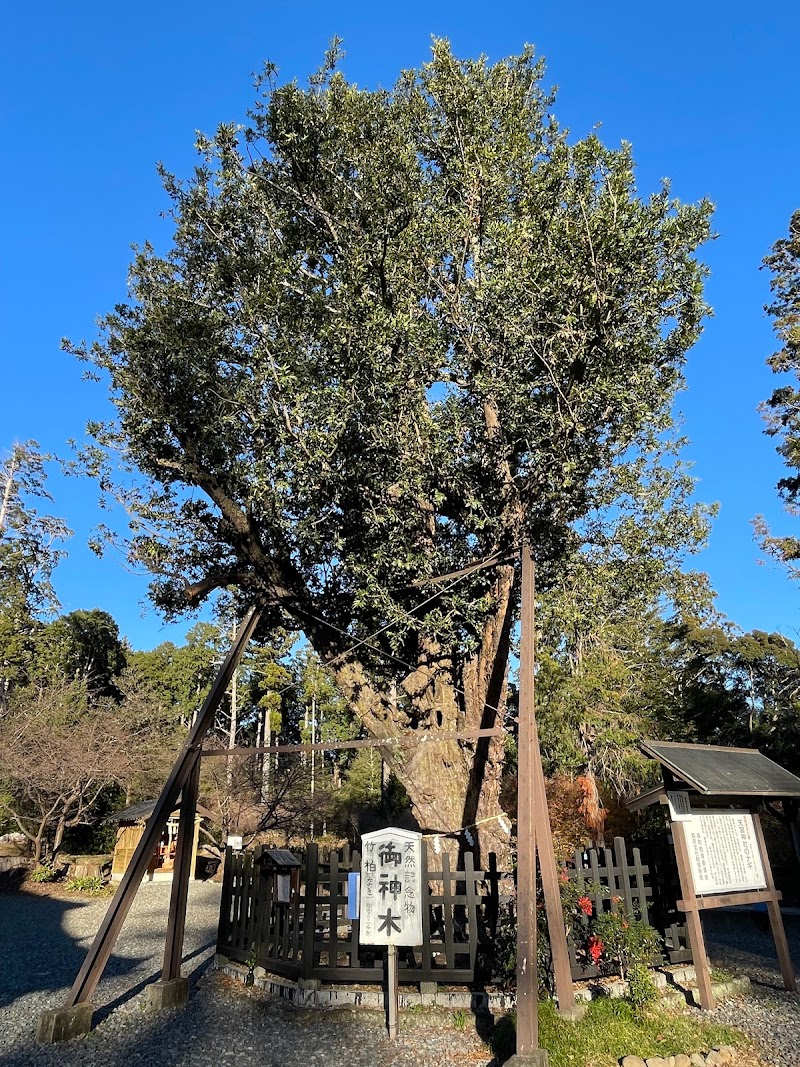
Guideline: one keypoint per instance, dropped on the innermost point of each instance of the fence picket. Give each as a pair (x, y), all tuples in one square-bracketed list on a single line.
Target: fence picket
[(302, 939)]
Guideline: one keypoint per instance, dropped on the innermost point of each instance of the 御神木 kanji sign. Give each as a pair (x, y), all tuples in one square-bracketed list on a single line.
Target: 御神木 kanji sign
[(391, 888)]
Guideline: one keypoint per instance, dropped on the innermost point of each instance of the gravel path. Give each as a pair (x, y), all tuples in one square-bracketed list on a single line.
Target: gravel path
[(226, 1025), (222, 1024), (743, 943)]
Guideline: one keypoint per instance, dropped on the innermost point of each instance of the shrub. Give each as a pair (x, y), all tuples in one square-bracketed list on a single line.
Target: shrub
[(45, 872), (628, 941), (641, 987), (90, 884)]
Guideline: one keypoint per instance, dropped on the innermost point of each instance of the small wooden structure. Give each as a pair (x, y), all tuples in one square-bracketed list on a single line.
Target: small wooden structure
[(132, 822), (713, 794)]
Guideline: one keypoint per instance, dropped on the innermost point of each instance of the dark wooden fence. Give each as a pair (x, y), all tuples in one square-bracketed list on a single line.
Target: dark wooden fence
[(254, 925), (613, 882), (460, 919)]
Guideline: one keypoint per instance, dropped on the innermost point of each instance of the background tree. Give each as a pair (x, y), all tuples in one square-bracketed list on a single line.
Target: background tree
[(58, 752), (605, 670), (397, 331), (82, 646), (28, 555), (179, 676), (782, 410)]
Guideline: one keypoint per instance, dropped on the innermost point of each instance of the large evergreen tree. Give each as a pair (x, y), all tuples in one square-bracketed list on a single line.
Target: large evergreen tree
[(399, 331), (782, 410)]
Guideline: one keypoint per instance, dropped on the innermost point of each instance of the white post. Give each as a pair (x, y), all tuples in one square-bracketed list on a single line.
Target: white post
[(391, 991)]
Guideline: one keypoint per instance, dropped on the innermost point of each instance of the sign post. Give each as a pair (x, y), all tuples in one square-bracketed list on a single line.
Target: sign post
[(391, 900), (722, 861)]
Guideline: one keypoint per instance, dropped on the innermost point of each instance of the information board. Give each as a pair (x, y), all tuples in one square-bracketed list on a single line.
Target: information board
[(391, 888), (723, 852)]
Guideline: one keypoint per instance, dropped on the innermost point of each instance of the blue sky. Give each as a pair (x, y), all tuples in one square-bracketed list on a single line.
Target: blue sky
[(92, 95)]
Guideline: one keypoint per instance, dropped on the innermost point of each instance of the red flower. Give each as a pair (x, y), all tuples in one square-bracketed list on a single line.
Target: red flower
[(596, 948), (585, 904)]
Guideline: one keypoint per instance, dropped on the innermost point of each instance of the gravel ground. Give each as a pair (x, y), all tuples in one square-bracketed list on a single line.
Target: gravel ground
[(743, 944), (226, 1025), (222, 1025)]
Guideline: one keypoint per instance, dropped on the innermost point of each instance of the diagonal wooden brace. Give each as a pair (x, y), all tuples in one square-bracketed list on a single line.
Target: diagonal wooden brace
[(103, 944)]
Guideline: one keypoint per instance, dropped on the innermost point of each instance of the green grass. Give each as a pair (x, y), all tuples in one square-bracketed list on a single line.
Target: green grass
[(612, 1029)]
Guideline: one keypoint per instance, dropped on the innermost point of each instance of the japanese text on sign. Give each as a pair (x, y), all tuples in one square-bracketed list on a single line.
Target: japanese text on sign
[(723, 852), (391, 888)]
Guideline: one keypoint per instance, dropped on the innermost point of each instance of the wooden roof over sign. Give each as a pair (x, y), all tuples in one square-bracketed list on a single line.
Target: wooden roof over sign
[(142, 811), (715, 770)]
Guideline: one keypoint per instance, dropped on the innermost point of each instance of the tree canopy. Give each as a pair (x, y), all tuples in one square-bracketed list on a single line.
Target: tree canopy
[(398, 331), (782, 410)]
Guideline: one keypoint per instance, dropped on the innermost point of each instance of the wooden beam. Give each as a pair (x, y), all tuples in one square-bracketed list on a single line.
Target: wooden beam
[(730, 900), (181, 873), (423, 738), (103, 944), (694, 926), (551, 887), (527, 977), (774, 911)]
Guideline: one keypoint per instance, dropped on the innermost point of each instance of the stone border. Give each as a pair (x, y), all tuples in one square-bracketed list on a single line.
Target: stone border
[(716, 1057), (673, 985)]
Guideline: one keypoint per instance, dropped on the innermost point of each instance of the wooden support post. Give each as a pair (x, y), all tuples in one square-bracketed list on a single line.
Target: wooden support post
[(103, 944), (181, 873), (543, 833), (391, 990), (693, 924), (774, 911), (527, 978)]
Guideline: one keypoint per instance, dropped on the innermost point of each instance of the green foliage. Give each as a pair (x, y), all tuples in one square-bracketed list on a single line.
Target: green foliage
[(736, 688), (28, 556), (82, 646), (459, 1021), (443, 247), (394, 332), (642, 990), (781, 410), (626, 940), (91, 885), (179, 676), (45, 872), (504, 952), (612, 1029)]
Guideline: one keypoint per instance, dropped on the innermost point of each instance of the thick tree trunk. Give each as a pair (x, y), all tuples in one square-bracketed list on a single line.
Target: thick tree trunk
[(453, 785)]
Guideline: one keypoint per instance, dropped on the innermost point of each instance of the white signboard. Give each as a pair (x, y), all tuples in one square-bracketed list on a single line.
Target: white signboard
[(723, 852), (680, 809), (391, 888)]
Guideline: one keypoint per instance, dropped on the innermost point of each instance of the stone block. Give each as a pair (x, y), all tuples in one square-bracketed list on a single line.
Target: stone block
[(537, 1058), (697, 1060), (429, 988), (573, 1014), (633, 1061), (309, 983), (163, 995), (64, 1024), (682, 1061)]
